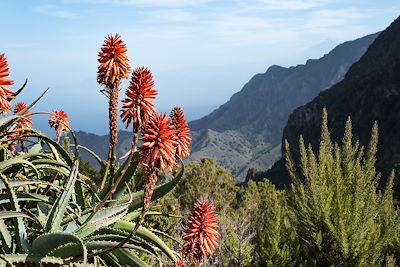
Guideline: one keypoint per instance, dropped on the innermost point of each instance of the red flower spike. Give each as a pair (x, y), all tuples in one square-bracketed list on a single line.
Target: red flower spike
[(158, 148), (182, 132), (60, 122), (26, 120), (136, 107), (5, 94), (201, 237), (113, 61)]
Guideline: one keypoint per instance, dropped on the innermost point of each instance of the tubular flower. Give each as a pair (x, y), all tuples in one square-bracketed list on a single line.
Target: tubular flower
[(26, 120), (201, 237), (136, 107), (5, 94), (113, 61), (157, 152), (158, 149), (178, 122), (59, 121)]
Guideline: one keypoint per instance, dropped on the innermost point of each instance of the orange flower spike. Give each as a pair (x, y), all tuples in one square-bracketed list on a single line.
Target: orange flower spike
[(158, 148), (26, 121), (60, 122), (137, 107), (5, 94), (182, 132), (113, 61), (201, 237)]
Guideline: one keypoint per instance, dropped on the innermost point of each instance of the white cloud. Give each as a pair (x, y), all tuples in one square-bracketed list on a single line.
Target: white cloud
[(55, 11)]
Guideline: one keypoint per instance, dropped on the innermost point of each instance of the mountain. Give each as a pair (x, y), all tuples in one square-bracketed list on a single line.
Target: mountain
[(369, 92), (246, 131)]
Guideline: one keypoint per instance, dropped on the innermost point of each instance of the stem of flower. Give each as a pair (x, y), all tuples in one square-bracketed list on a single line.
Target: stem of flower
[(113, 128)]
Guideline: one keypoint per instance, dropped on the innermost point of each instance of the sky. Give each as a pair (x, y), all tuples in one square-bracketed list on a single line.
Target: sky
[(199, 51)]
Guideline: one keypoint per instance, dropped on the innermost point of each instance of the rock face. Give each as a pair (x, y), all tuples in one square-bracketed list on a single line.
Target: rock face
[(369, 92), (246, 131)]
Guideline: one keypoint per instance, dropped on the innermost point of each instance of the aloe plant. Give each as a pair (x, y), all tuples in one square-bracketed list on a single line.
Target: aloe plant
[(52, 214)]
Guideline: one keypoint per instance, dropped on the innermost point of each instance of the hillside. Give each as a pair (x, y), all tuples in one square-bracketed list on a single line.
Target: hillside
[(369, 92), (246, 131)]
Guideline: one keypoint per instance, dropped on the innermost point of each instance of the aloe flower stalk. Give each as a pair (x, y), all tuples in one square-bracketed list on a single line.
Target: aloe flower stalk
[(201, 237), (157, 152), (113, 68)]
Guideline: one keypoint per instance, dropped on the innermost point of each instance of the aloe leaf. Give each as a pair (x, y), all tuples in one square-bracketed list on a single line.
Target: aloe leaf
[(93, 154), (22, 239), (73, 249), (57, 212), (50, 162), (105, 191), (128, 259), (5, 237), (127, 176), (102, 218), (42, 213), (146, 235), (111, 260), (16, 183), (13, 214), (5, 122), (16, 161), (80, 194), (52, 144), (28, 258), (24, 197), (113, 235), (45, 244), (159, 192), (21, 88)]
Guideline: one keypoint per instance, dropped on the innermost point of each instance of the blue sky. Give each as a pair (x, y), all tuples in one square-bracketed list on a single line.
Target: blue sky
[(200, 51)]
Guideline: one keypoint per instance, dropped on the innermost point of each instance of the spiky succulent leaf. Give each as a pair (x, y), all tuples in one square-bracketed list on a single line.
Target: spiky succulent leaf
[(57, 212), (145, 234)]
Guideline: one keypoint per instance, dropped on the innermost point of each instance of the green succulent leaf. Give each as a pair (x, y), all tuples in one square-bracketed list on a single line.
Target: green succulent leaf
[(21, 88), (22, 237), (145, 234), (102, 218), (13, 214), (127, 176), (57, 212), (24, 197), (126, 258), (29, 258), (45, 244), (5, 237)]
